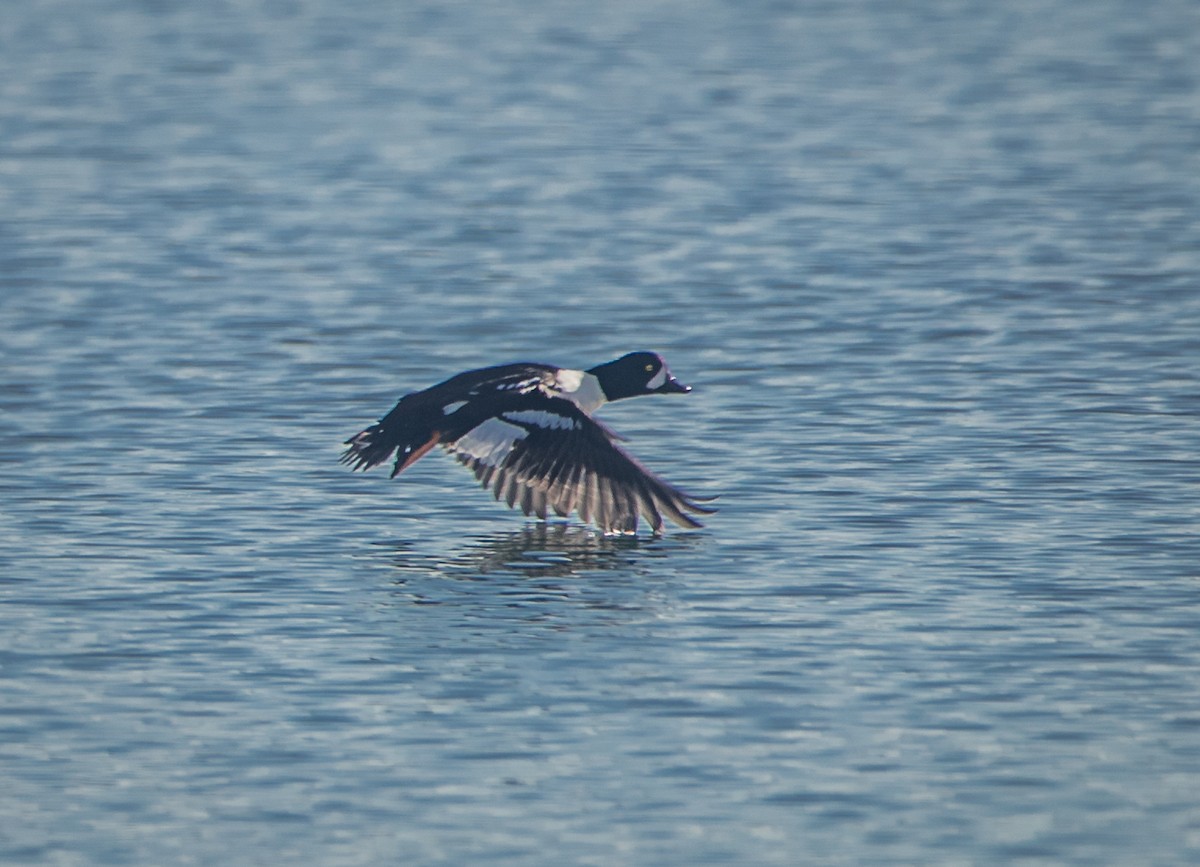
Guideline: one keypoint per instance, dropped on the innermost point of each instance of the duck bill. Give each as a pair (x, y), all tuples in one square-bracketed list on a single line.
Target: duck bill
[(673, 386)]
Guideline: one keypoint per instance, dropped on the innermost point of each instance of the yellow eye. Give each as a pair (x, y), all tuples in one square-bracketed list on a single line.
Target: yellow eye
[(649, 367)]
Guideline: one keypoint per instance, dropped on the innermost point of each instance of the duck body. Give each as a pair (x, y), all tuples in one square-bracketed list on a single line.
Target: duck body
[(526, 431)]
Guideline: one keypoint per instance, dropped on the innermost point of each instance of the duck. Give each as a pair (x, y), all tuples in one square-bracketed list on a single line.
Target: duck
[(528, 433)]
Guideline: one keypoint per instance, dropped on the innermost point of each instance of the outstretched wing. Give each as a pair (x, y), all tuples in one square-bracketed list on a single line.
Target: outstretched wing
[(555, 457)]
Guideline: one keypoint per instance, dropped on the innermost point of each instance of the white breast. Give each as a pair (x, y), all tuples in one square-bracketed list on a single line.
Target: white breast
[(581, 388)]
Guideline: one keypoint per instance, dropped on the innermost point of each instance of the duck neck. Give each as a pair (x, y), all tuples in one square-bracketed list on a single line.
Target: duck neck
[(582, 388)]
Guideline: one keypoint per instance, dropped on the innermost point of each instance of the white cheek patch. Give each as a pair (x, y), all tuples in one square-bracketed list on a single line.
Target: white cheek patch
[(453, 407), (541, 418), (491, 441), (659, 379)]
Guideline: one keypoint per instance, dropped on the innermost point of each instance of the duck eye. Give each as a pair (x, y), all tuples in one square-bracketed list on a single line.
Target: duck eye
[(649, 367)]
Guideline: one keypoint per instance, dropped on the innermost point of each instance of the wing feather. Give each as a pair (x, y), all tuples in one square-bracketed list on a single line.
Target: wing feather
[(543, 456)]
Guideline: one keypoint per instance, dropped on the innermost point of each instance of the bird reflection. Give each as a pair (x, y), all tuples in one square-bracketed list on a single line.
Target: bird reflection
[(549, 550), (546, 572)]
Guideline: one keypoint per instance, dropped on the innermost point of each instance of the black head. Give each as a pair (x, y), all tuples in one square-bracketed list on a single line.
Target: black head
[(635, 374)]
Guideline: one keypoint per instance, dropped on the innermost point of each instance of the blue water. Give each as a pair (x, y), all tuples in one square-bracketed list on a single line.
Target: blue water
[(933, 270)]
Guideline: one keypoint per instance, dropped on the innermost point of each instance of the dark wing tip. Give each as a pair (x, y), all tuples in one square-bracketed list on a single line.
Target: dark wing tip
[(688, 500)]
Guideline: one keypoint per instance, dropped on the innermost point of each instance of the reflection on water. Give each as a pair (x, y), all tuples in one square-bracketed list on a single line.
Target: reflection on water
[(539, 565), (543, 550)]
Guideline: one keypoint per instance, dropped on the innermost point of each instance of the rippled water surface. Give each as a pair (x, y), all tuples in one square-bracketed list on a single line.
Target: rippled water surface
[(934, 273)]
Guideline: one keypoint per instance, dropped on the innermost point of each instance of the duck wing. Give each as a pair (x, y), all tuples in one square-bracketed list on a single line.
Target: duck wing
[(542, 455)]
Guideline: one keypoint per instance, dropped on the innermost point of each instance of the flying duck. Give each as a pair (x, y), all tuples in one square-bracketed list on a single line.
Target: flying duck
[(526, 430)]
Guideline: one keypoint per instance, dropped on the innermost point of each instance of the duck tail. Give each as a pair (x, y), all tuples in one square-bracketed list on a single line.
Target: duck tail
[(395, 432)]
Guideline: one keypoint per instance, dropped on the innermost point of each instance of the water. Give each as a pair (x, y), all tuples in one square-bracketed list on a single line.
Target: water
[(932, 269)]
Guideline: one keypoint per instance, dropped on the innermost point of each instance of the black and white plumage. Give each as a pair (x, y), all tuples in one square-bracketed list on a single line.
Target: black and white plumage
[(527, 432)]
